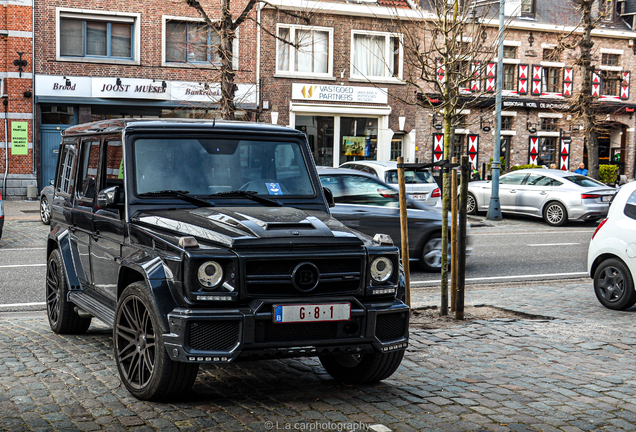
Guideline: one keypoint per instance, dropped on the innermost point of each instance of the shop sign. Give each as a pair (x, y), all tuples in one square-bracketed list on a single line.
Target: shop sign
[(130, 88), (196, 92), (337, 93), (52, 85), (19, 138), (518, 103)]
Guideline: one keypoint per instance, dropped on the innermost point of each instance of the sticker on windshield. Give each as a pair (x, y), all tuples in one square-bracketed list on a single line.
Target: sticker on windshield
[(274, 188)]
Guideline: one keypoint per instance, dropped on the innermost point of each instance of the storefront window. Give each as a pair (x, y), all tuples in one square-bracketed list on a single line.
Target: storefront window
[(319, 131), (59, 115), (547, 152), (358, 139)]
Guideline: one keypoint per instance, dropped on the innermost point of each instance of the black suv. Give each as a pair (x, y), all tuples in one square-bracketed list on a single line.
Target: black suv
[(211, 242)]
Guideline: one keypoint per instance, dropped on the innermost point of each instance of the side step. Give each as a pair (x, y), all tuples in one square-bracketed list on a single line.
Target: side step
[(93, 307)]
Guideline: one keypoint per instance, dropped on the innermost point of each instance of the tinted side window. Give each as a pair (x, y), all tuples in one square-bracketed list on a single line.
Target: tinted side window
[(114, 163), (512, 179), (364, 190), (88, 168), (538, 180), (630, 206), (66, 181)]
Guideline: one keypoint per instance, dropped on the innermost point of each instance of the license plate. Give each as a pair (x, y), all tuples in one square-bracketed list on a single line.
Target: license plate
[(312, 312), (606, 198), (418, 197)]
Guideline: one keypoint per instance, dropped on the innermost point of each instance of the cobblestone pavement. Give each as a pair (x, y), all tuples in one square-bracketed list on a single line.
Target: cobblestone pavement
[(573, 370)]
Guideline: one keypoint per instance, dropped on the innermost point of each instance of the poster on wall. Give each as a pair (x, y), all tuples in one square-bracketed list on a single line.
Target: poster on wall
[(355, 146), (19, 138)]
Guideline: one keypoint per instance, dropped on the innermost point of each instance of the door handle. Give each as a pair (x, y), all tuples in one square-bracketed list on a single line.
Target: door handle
[(95, 235), (543, 193), (513, 191)]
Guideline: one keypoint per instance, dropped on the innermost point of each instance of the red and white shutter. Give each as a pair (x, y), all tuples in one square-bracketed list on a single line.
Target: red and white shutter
[(441, 73), (596, 84), (537, 76), (625, 85), (473, 151), (564, 160), (522, 84), (568, 74), (438, 148), (475, 84), (533, 150), (491, 77)]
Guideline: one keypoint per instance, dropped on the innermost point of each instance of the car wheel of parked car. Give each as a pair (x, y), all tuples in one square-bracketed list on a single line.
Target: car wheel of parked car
[(45, 211), (471, 204), (61, 313), (613, 285), (144, 365), (362, 368), (431, 259), (555, 214)]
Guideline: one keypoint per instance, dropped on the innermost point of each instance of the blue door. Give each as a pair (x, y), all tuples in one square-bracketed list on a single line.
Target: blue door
[(51, 137)]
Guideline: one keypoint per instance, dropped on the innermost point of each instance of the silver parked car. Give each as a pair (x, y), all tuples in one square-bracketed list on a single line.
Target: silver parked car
[(420, 184), (46, 199), (554, 195)]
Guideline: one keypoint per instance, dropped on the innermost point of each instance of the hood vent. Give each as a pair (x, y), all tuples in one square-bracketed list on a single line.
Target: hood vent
[(290, 226)]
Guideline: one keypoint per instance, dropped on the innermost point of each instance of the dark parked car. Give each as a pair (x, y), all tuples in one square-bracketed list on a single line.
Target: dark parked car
[(212, 242), (366, 204)]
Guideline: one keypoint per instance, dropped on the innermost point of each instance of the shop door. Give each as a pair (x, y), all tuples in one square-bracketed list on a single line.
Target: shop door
[(50, 139)]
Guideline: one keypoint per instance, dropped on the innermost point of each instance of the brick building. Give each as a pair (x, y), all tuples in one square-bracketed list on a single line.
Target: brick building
[(339, 80), (16, 88), (100, 59)]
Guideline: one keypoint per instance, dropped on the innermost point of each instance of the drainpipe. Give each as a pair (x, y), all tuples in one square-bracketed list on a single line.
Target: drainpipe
[(5, 102)]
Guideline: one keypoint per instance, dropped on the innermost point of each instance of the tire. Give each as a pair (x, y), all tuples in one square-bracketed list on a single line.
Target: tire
[(45, 211), (143, 363), (431, 259), (362, 368), (613, 285), (61, 313), (471, 204), (554, 214)]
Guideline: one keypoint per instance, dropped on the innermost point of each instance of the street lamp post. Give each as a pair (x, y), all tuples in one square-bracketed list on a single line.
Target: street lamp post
[(494, 209)]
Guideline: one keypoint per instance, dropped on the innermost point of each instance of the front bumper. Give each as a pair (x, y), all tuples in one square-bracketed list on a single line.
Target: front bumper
[(249, 333)]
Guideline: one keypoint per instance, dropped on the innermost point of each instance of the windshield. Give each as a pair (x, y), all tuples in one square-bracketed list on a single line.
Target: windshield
[(584, 181), (410, 176), (205, 166)]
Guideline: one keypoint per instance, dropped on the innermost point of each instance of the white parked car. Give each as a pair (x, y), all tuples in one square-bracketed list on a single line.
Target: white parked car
[(420, 184), (611, 257)]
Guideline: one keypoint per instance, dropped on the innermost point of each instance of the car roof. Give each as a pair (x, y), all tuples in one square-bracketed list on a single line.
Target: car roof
[(117, 125), (552, 172), (343, 171), (385, 164)]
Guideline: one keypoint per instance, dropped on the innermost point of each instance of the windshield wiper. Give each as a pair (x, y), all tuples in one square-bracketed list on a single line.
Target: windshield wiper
[(251, 195), (181, 194)]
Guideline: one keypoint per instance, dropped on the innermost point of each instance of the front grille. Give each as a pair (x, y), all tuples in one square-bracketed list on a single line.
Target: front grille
[(391, 326), (213, 335), (267, 331), (273, 277)]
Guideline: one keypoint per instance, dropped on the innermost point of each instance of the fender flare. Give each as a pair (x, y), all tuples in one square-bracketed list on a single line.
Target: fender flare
[(158, 279)]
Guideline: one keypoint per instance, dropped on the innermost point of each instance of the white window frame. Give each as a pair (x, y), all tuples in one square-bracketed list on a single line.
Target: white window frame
[(110, 16), (292, 51), (388, 77), (165, 63)]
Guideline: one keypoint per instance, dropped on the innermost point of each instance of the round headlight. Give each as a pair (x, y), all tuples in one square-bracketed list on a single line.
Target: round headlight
[(210, 274), (381, 269)]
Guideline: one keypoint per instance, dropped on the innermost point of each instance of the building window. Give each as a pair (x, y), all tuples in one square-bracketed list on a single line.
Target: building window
[(509, 76), (191, 42), (306, 50), (507, 122), (549, 124), (376, 55), (611, 83), (551, 54), (96, 37), (547, 151), (510, 52), (609, 59), (552, 80), (461, 121), (527, 7)]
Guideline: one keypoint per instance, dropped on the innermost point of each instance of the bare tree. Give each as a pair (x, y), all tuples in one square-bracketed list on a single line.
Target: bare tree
[(448, 59)]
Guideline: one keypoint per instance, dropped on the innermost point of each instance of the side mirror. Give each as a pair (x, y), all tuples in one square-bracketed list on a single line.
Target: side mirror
[(51, 182), (108, 198), (329, 195)]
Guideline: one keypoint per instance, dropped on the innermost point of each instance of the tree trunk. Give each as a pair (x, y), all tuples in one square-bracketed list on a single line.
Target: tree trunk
[(228, 88)]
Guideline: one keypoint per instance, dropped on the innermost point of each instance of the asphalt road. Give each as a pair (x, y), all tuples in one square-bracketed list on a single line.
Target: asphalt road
[(516, 249)]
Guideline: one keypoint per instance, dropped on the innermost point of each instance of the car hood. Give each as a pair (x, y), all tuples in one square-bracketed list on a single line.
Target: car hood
[(251, 226)]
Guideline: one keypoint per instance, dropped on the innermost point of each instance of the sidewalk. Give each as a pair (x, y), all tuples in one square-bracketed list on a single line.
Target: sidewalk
[(21, 210)]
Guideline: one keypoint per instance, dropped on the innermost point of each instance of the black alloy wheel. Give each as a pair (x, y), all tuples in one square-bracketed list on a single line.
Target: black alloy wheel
[(613, 285)]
